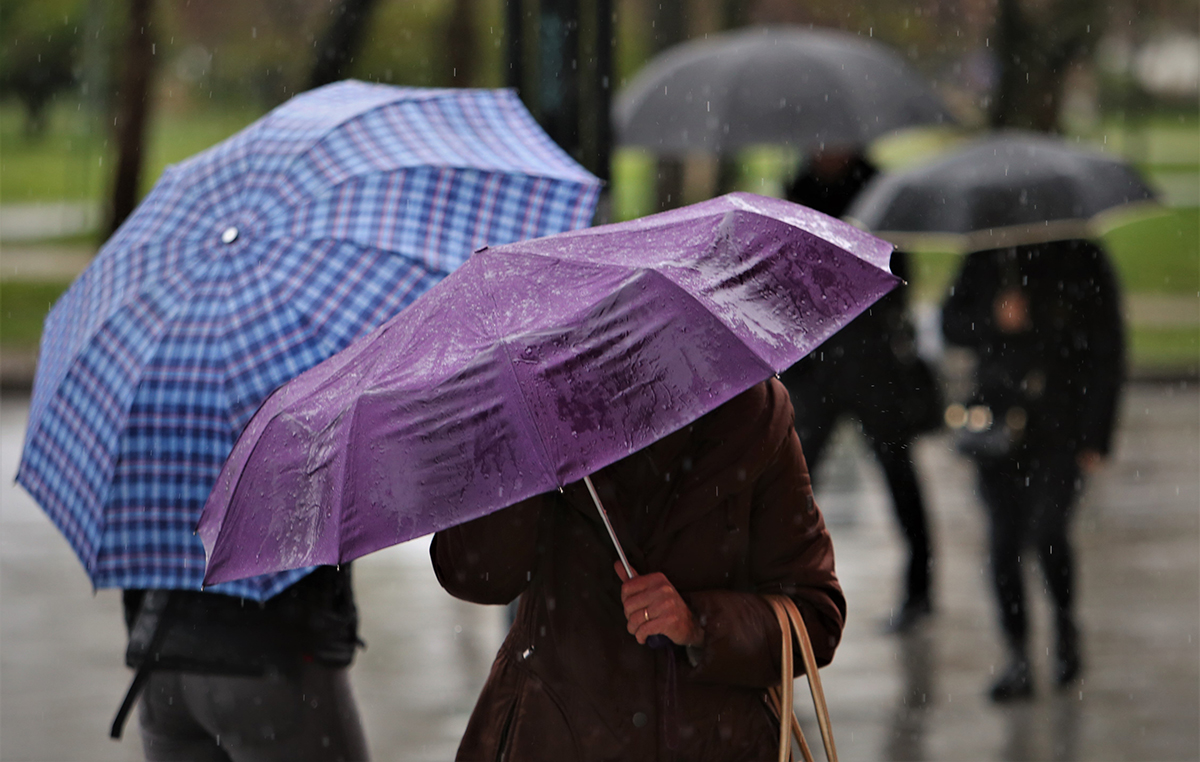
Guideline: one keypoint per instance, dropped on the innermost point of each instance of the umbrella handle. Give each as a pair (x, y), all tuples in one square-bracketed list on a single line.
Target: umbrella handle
[(654, 641)]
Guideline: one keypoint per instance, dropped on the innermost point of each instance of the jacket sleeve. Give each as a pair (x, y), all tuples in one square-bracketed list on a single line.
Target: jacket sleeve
[(790, 552), (489, 560)]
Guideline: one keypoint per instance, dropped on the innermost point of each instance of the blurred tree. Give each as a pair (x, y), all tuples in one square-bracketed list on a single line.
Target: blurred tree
[(40, 45), (1036, 43), (133, 106), (232, 53), (462, 42), (341, 41), (434, 43), (668, 29)]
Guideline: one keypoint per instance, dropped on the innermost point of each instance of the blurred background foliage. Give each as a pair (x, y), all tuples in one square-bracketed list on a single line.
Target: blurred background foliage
[(1119, 74)]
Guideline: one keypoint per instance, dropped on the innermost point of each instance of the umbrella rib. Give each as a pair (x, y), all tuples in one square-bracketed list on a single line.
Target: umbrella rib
[(526, 408), (771, 370)]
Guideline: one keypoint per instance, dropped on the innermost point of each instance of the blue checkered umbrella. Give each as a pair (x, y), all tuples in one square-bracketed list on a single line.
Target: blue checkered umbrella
[(246, 265)]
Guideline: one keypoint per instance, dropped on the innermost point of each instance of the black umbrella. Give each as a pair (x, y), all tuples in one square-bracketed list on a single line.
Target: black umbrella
[(1007, 189), (806, 88)]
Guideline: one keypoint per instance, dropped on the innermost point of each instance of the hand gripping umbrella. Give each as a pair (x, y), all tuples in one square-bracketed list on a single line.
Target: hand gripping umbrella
[(806, 88), (246, 265), (1007, 189), (530, 367)]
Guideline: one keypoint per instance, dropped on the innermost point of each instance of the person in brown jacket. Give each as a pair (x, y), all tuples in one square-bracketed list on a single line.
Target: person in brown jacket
[(711, 517)]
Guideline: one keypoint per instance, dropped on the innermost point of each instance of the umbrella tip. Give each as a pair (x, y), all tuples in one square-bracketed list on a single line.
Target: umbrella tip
[(481, 248)]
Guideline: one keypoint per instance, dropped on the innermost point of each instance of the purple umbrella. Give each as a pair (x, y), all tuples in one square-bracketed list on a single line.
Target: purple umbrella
[(531, 366)]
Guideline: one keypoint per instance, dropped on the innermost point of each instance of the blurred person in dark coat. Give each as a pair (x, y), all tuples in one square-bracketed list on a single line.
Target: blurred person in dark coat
[(712, 516), (1045, 325), (231, 680), (870, 370)]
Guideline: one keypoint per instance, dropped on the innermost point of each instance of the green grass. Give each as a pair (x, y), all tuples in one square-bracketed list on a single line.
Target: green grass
[(1173, 348), (1160, 254), (633, 192), (932, 274), (23, 308), (66, 163), (73, 160)]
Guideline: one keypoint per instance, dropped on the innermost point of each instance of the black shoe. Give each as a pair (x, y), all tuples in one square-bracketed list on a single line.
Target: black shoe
[(1014, 683), (1067, 662), (909, 616)]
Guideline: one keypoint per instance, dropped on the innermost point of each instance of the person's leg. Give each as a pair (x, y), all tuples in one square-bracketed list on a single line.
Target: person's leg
[(170, 733), (896, 460), (308, 716), (1052, 506), (816, 415), (1003, 489)]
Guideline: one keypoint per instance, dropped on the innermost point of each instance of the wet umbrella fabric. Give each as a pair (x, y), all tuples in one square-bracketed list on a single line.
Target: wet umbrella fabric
[(1008, 189), (530, 367), (246, 265), (805, 88)]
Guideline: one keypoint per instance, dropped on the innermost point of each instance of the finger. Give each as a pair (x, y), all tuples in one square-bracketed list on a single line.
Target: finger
[(669, 625), (638, 620), (649, 599), (620, 567), (657, 599), (643, 583), (644, 629)]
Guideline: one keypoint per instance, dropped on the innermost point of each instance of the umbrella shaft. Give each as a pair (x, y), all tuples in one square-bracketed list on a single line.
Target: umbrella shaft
[(608, 525)]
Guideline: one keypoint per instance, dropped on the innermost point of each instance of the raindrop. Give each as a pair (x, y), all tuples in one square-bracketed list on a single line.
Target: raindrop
[(230, 235)]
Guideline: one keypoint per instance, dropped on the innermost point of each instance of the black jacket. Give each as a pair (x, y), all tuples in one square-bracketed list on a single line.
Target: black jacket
[(1067, 370), (315, 619)]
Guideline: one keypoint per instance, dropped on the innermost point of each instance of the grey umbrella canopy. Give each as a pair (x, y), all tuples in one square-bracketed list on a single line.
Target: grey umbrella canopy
[(806, 88), (1007, 189)]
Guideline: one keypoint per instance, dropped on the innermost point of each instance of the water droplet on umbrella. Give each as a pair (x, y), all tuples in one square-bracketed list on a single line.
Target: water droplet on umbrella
[(230, 235)]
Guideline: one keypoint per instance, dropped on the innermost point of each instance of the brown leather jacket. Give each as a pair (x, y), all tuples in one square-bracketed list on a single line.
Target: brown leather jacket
[(725, 510)]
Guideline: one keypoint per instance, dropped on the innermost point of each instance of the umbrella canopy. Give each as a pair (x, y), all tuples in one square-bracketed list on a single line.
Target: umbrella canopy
[(530, 367), (805, 88), (1007, 189), (246, 265)]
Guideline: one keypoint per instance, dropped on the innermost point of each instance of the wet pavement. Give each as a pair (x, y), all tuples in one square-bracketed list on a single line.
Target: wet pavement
[(914, 698)]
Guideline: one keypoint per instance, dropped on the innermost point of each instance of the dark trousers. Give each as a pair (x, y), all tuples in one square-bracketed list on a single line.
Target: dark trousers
[(307, 717), (1029, 500), (814, 427)]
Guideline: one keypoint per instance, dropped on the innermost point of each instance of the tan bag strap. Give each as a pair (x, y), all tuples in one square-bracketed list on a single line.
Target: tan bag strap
[(790, 622)]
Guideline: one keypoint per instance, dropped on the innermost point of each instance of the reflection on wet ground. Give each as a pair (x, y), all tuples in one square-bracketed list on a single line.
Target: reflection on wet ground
[(919, 697)]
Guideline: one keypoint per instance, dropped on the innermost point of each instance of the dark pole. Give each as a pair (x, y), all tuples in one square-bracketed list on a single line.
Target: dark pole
[(462, 43), (340, 42), (667, 30), (558, 72), (132, 110), (1010, 31), (603, 80), (560, 58), (514, 20)]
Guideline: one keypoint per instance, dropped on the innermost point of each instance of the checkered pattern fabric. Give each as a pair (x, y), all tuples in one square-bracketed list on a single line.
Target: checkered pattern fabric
[(246, 265)]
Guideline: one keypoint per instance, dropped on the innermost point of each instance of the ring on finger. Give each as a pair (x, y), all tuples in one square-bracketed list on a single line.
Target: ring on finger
[(646, 613)]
